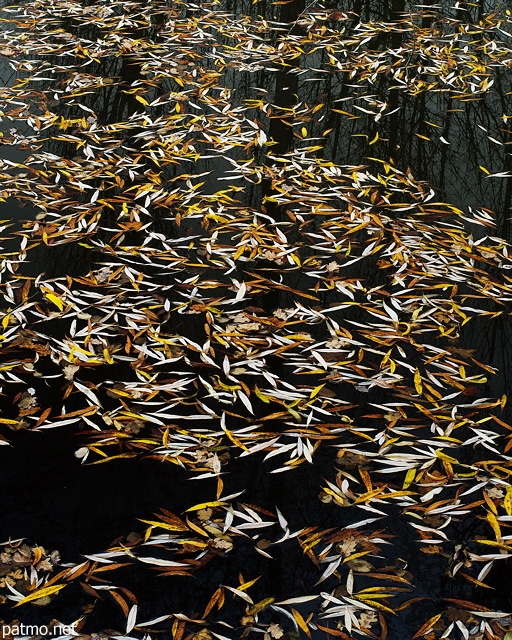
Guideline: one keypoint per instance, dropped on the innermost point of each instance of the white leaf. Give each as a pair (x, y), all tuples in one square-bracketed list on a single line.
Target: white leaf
[(162, 563), (130, 622), (298, 600)]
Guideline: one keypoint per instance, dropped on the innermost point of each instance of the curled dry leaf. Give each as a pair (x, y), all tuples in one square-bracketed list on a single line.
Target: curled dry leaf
[(275, 631)]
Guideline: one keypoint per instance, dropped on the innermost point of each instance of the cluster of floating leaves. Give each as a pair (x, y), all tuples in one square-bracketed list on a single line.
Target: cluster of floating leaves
[(223, 301)]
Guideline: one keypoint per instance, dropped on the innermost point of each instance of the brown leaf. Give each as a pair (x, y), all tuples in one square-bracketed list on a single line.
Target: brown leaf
[(431, 549), (204, 514), (360, 565), (275, 631)]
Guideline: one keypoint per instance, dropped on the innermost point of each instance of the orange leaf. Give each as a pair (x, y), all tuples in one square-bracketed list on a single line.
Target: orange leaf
[(428, 625), (43, 417), (214, 599), (474, 580), (468, 605), (121, 602)]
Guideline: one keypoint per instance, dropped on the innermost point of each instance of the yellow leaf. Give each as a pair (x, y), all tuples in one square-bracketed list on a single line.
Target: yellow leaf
[(395, 494), (195, 528), (244, 586), (316, 390), (417, 382), (56, 301), (376, 605), (446, 458), (296, 259), (141, 99), (235, 440), (493, 521), (507, 501), (493, 543), (409, 477), (301, 622), (375, 139), (203, 505), (369, 495), (260, 395), (294, 414), (490, 503), (165, 525), (41, 593), (355, 555), (259, 605)]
